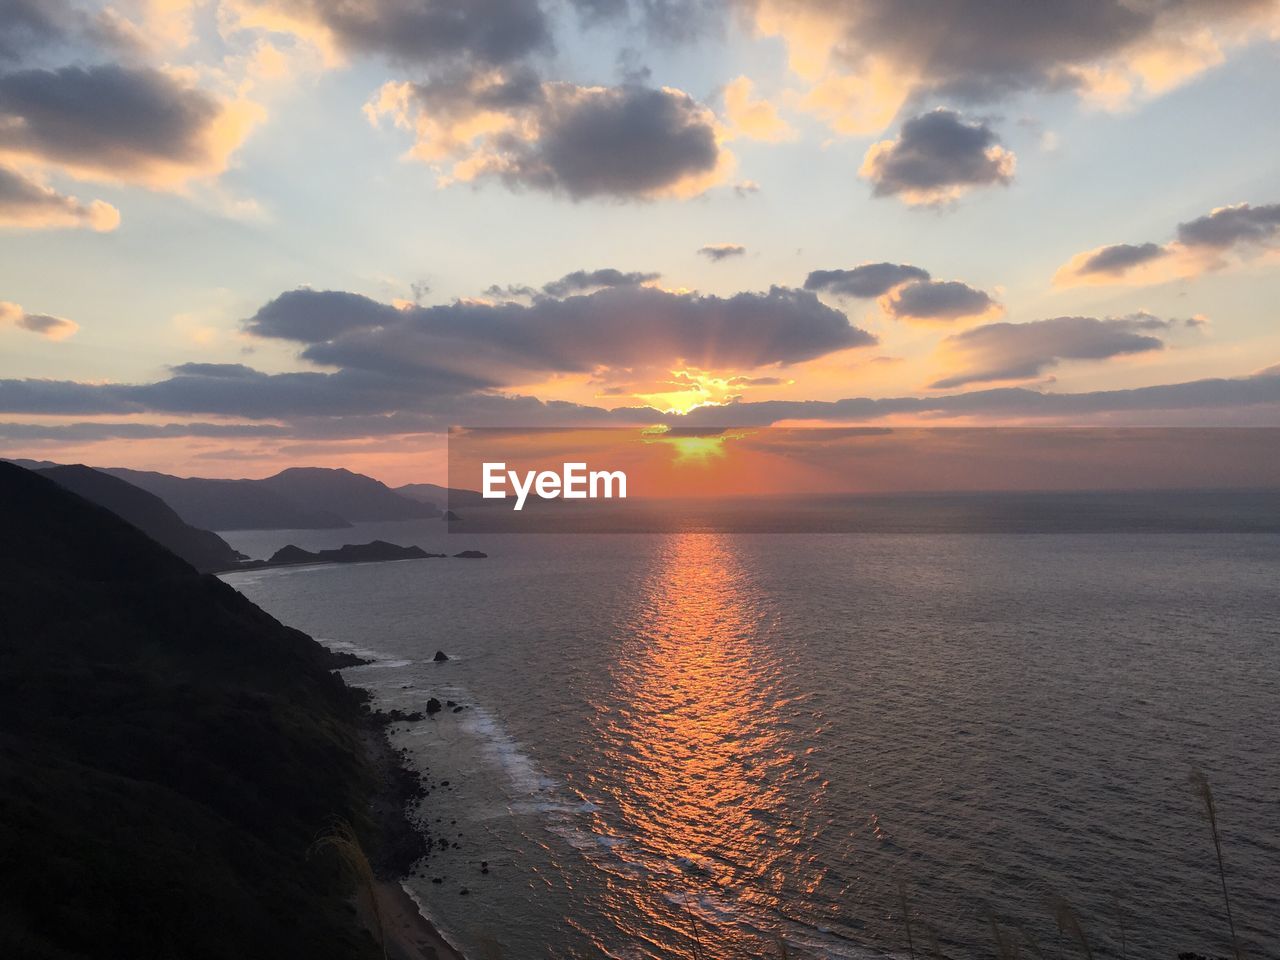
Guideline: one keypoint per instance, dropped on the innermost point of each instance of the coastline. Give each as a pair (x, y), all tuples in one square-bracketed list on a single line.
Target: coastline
[(408, 934)]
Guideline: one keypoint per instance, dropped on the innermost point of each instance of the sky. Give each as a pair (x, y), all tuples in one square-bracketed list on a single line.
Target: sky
[(239, 235)]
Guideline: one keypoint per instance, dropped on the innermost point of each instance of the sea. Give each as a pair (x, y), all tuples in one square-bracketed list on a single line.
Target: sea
[(707, 745)]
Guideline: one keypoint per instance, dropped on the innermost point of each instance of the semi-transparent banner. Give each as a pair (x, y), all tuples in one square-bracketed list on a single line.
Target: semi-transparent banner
[(871, 480)]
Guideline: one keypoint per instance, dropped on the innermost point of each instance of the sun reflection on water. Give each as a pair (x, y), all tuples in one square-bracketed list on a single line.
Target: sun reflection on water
[(698, 767)]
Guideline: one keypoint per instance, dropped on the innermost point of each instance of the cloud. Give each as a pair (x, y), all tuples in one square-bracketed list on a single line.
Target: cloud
[(129, 124), (1252, 400), (864, 281), (1230, 226), (752, 118), (26, 25), (939, 300), (864, 59), (418, 32), (1223, 238), (625, 142), (469, 344), (580, 280), (27, 204), (54, 328), (430, 366), (937, 157), (1120, 257), (716, 252), (1019, 351)]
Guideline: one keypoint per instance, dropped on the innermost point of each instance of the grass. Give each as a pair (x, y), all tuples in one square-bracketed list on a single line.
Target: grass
[(342, 840)]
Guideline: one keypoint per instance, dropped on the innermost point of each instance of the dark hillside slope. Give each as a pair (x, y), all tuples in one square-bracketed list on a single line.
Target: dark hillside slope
[(202, 549), (168, 752), (228, 504)]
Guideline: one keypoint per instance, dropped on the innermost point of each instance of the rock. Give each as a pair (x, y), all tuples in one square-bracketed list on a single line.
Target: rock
[(457, 709), (440, 656), (433, 706), (470, 555), (450, 515), (450, 703)]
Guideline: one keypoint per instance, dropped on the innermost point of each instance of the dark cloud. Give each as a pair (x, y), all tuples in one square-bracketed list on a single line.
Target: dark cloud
[(1219, 239), (938, 300), (867, 280), (617, 327), (1228, 226), (936, 157), (131, 123), (1018, 351), (26, 204), (27, 25), (96, 430), (983, 49), (722, 251), (618, 141), (424, 32), (623, 142), (1119, 257), (580, 280)]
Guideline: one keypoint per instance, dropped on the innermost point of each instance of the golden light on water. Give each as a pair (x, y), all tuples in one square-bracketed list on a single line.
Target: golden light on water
[(700, 766)]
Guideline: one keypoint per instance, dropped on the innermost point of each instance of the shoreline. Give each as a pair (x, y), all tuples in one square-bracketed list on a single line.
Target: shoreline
[(407, 933)]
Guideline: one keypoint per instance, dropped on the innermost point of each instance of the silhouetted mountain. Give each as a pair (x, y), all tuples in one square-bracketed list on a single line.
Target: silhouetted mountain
[(440, 496), (350, 495), (203, 550), (168, 753), (230, 504)]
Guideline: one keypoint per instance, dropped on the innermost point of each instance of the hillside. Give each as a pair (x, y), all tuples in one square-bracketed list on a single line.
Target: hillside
[(228, 504), (439, 496), (168, 753), (202, 549), (350, 495)]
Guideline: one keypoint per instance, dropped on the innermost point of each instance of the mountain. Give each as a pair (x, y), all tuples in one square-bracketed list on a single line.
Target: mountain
[(350, 495), (202, 549), (168, 753), (229, 504), (439, 496)]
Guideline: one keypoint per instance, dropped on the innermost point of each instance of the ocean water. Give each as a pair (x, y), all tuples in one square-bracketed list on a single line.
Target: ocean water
[(710, 745)]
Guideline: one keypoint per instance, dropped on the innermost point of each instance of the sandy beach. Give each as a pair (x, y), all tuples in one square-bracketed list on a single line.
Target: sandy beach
[(409, 935)]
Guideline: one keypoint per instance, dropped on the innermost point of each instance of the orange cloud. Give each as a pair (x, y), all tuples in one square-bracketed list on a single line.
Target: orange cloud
[(54, 328), (751, 118), (27, 204)]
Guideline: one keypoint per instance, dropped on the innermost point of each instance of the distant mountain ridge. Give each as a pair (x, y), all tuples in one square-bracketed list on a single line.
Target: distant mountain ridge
[(297, 498), (229, 504), (204, 550), (352, 496)]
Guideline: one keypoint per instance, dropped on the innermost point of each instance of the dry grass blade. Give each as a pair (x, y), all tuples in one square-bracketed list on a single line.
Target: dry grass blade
[(1006, 949), (906, 918), (693, 927), (1200, 783), (342, 840)]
